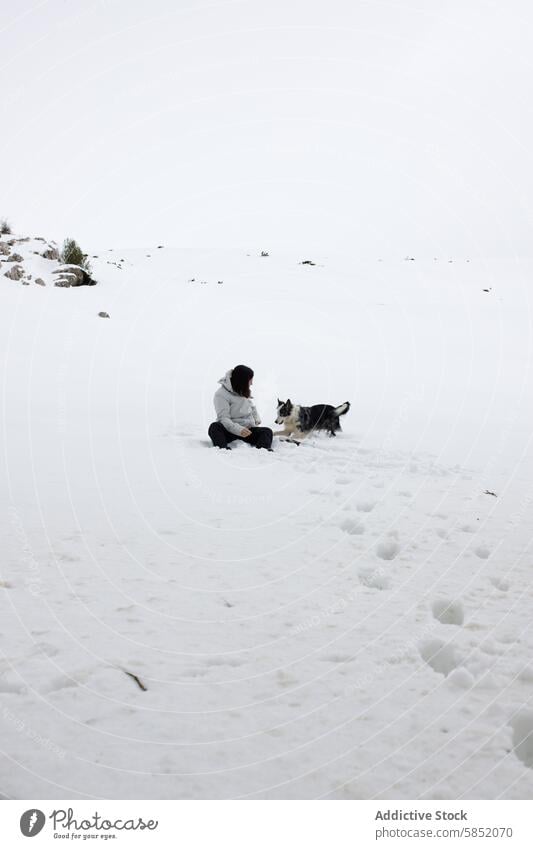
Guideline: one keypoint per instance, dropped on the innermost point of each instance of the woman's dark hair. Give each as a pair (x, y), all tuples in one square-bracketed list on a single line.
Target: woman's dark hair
[(240, 380)]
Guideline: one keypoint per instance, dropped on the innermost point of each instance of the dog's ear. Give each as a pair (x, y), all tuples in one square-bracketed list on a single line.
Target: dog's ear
[(279, 403), (288, 400)]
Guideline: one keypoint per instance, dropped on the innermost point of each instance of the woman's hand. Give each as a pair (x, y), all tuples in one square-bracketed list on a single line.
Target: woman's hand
[(245, 432)]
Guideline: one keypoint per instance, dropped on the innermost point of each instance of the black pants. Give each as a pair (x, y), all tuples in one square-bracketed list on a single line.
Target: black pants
[(260, 437)]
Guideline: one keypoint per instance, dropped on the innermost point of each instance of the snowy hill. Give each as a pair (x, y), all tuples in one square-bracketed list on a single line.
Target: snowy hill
[(28, 260), (350, 618)]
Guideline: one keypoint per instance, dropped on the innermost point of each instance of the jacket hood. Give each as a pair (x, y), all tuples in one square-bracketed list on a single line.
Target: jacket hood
[(226, 381)]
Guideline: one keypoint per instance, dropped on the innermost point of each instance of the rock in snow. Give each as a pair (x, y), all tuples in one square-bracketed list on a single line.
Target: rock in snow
[(15, 273), (50, 253), (72, 275), (41, 261)]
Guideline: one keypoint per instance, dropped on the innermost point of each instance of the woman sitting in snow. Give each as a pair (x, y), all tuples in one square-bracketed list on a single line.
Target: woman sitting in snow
[(237, 417)]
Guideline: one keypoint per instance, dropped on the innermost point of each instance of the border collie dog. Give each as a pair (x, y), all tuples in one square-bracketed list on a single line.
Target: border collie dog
[(299, 421)]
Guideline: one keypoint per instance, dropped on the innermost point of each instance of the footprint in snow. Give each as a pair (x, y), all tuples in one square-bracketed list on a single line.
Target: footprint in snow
[(387, 549), (482, 551), (62, 682), (285, 679), (448, 612), (194, 672), (48, 649), (500, 583), (352, 526), (522, 725), (375, 578), (526, 675), (461, 677), (508, 638), (65, 557), (487, 646), (366, 506), (440, 656)]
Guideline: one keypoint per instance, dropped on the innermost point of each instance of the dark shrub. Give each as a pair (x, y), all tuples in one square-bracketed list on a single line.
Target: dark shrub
[(72, 254)]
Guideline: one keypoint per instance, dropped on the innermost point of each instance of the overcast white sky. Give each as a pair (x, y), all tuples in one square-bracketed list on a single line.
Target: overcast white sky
[(382, 127)]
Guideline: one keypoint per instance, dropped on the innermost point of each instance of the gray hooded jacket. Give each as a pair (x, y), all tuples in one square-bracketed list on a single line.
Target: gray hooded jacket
[(233, 411)]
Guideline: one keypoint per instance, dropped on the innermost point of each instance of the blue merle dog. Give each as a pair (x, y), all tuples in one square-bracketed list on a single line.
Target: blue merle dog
[(298, 422)]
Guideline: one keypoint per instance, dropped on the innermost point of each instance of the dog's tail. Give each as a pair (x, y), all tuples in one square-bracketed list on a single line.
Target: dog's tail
[(342, 409)]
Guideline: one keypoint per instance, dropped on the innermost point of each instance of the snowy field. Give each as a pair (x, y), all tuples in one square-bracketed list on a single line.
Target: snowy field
[(350, 618)]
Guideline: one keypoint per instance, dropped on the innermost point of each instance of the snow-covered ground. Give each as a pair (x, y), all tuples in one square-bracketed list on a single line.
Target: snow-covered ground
[(350, 618)]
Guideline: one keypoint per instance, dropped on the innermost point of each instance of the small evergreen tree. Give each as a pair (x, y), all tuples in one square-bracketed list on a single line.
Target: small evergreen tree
[(72, 254), (5, 227)]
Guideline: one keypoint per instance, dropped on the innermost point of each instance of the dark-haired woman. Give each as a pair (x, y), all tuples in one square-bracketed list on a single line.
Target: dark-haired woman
[(237, 417)]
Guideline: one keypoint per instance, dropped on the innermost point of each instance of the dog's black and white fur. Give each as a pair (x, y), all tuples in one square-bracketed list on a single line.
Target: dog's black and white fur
[(298, 422)]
